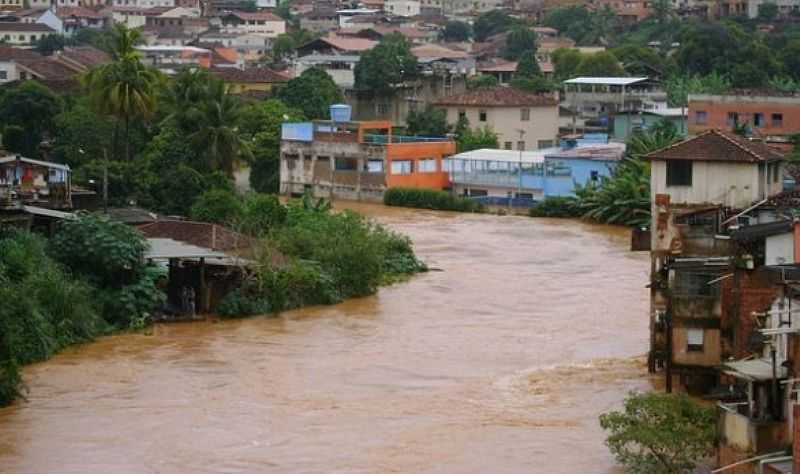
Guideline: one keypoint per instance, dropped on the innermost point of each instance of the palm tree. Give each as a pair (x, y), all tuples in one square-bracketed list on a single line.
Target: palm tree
[(182, 99), (124, 88), (217, 136)]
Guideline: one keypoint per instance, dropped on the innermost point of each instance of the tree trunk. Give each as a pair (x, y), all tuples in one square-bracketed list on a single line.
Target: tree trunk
[(127, 138), (115, 140)]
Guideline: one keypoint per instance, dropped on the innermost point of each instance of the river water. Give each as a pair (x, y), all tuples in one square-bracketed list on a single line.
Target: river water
[(500, 362)]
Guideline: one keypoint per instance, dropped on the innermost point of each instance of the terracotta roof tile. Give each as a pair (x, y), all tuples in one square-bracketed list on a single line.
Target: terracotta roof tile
[(498, 97), (437, 51), (251, 75), (263, 16), (78, 12), (25, 27), (716, 145), (8, 53)]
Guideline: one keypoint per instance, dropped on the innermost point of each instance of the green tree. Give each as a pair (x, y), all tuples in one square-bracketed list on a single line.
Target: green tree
[(430, 122), (790, 57), (456, 31), (218, 206), (475, 139), (528, 66), (491, 23), (574, 22), (566, 62), (124, 88), (386, 66), (600, 64), (217, 139), (181, 99), (519, 41), (662, 10), (482, 81), (30, 107), (262, 122), (80, 134), (660, 433), (768, 12), (313, 92), (49, 44), (261, 213)]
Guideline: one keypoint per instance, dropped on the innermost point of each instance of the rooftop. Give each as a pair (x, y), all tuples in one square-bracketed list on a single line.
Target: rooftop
[(8, 53), (716, 145), (437, 51), (605, 81), (508, 156), (30, 161), (345, 44), (200, 234), (250, 75), (25, 27), (257, 16), (498, 97), (599, 152)]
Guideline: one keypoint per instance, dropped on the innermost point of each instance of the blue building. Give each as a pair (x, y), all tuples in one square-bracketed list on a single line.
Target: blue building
[(496, 175)]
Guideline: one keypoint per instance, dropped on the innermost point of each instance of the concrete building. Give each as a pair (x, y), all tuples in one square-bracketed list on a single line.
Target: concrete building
[(260, 23), (402, 7), (603, 97), (522, 121), (23, 34), (773, 117), (493, 175), (358, 160)]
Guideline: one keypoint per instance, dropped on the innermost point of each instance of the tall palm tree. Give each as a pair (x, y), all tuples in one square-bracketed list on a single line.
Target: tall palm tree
[(217, 136), (124, 88), (182, 99)]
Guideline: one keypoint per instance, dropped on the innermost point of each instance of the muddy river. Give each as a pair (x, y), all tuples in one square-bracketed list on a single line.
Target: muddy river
[(498, 363)]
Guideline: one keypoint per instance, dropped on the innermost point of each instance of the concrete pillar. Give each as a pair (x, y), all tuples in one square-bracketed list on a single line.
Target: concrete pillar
[(314, 180), (332, 163), (360, 170)]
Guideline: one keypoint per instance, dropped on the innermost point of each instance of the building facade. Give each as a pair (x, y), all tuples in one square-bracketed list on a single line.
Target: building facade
[(766, 116)]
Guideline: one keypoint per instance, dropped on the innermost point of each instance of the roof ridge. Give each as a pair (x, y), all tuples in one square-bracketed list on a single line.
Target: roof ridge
[(737, 143)]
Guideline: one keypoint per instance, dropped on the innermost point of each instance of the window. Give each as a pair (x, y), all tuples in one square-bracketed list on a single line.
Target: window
[(777, 120), (462, 114), (507, 145), (679, 173), (402, 167), (776, 172), (758, 119), (595, 175), (525, 115), (733, 118), (694, 340), (482, 115), (375, 166), (544, 144), (427, 165), (700, 117), (382, 109), (3, 75), (521, 145)]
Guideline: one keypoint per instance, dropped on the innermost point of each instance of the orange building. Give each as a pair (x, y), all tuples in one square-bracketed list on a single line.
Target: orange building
[(358, 160), (774, 117)]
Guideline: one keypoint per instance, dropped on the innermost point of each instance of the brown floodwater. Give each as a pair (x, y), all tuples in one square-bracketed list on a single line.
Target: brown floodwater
[(498, 362)]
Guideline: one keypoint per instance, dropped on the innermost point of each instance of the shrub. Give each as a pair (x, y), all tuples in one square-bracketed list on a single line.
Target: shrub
[(261, 213), (237, 304), (429, 199), (556, 207), (219, 206)]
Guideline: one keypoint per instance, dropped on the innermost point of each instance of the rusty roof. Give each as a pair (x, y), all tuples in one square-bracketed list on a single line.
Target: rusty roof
[(201, 234), (716, 145), (498, 97), (8, 53), (25, 27), (256, 16), (250, 75)]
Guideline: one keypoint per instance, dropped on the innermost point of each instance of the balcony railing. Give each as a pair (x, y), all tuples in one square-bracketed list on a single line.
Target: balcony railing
[(384, 139)]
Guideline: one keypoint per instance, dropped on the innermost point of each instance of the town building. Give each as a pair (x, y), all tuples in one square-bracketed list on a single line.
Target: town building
[(402, 7), (256, 81), (522, 121), (702, 190), (603, 97), (260, 23), (626, 124), (771, 116), (493, 176), (351, 160), (23, 34)]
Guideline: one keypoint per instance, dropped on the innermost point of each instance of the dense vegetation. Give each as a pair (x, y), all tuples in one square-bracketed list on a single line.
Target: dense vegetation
[(659, 433), (429, 199), (312, 255), (89, 280)]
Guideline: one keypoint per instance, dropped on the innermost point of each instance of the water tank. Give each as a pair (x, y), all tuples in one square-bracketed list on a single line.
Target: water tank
[(341, 112)]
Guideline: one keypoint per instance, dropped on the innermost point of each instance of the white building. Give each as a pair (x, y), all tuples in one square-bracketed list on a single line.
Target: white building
[(402, 7), (23, 34), (339, 67), (259, 23)]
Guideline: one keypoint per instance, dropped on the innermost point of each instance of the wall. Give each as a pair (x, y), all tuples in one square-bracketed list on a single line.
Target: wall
[(416, 151), (505, 121), (710, 356), (581, 173), (10, 70), (780, 249), (726, 183), (402, 7), (644, 121), (717, 108)]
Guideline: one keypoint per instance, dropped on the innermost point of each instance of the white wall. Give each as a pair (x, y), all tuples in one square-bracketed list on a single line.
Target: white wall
[(505, 121), (402, 7), (726, 183), (780, 249), (8, 71)]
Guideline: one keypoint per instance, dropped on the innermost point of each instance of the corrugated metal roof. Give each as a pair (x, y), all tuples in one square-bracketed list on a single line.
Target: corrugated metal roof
[(605, 81), (41, 211), (754, 370), (48, 164), (510, 156)]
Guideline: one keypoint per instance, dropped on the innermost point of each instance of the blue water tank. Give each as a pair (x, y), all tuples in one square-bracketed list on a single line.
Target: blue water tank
[(341, 112)]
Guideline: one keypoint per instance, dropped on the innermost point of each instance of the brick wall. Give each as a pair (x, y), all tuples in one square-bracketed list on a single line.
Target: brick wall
[(756, 294)]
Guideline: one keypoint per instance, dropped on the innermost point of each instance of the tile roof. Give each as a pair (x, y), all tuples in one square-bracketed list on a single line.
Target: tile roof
[(25, 27), (50, 68), (251, 75), (263, 16), (201, 234), (437, 51), (78, 12), (349, 44), (716, 145), (8, 53), (498, 97), (86, 56)]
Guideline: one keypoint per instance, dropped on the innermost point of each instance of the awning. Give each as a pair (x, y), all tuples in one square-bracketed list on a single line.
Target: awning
[(755, 370), (41, 211)]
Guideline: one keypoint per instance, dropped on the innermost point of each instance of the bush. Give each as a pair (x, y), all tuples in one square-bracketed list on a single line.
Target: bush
[(236, 304), (261, 213), (44, 308), (556, 207), (219, 206), (429, 199)]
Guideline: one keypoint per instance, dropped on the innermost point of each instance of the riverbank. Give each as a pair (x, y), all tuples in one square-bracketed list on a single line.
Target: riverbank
[(90, 279), (482, 367)]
